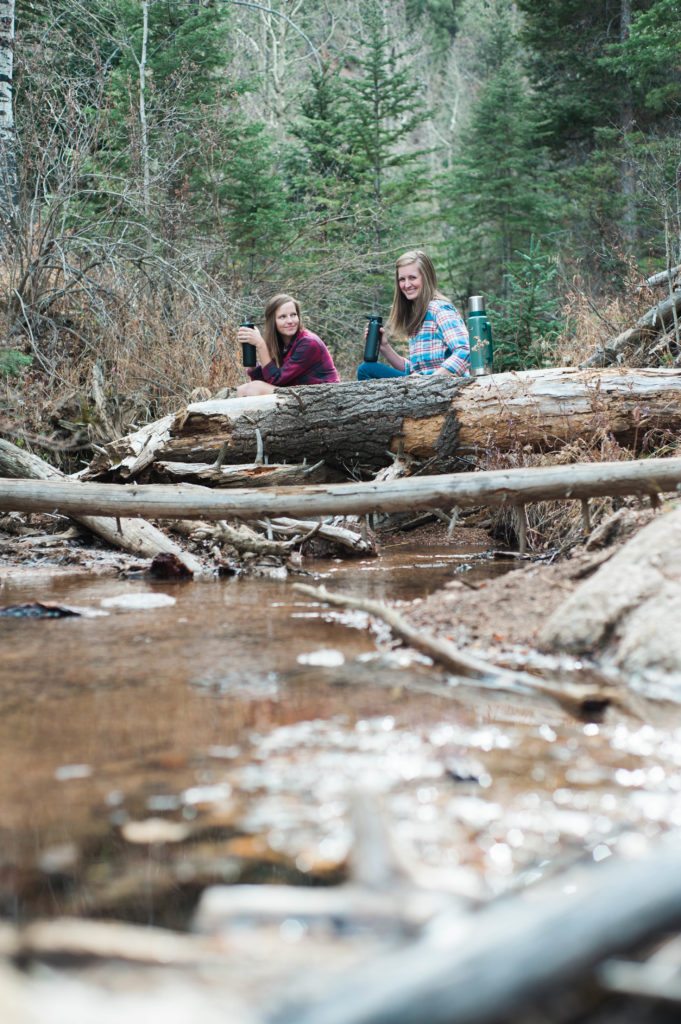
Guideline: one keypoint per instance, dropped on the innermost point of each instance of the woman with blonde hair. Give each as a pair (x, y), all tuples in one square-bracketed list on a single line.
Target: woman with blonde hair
[(287, 353), (432, 326)]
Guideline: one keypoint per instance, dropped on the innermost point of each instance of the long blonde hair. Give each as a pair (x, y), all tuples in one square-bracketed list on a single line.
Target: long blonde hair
[(273, 340), (406, 315)]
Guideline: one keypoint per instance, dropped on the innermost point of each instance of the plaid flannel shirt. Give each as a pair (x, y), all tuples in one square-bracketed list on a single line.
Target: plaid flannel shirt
[(306, 360), (441, 341)]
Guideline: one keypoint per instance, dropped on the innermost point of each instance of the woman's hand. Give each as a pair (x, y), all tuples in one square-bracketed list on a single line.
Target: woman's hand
[(252, 336), (249, 335)]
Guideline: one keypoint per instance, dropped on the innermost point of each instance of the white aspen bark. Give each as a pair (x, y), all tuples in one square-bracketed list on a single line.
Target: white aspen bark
[(493, 488), (8, 167), (144, 134), (628, 170)]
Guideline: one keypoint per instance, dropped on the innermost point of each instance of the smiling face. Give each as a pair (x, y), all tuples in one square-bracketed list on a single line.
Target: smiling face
[(287, 320), (410, 281)]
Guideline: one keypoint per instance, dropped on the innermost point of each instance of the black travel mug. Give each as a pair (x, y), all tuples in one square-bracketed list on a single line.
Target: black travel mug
[(373, 339), (248, 351)]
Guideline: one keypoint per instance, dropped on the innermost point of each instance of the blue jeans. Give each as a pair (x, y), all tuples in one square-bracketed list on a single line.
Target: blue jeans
[(378, 371)]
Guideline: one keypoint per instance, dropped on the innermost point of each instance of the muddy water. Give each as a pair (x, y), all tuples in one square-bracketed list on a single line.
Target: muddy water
[(146, 754)]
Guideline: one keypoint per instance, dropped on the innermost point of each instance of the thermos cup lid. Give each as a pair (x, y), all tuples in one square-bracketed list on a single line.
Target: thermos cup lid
[(476, 304)]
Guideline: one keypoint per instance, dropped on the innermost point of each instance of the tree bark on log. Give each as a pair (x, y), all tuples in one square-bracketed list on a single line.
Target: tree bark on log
[(436, 420), (464, 490), (133, 535)]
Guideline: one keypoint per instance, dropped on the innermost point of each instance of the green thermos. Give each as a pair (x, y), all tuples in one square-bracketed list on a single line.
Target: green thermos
[(480, 337)]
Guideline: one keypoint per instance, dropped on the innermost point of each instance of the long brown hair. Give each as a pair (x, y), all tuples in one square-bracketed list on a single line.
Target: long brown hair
[(273, 340), (406, 315)]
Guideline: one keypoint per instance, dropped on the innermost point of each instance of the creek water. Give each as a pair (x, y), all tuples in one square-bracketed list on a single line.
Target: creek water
[(146, 753)]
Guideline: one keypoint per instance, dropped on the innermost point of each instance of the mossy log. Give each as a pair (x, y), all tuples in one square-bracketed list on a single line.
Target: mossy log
[(436, 420)]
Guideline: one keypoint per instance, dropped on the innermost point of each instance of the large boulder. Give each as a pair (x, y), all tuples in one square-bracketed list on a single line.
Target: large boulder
[(629, 612)]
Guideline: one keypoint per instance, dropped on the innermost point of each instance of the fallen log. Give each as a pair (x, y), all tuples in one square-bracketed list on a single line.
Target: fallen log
[(437, 420), (250, 475), (653, 321), (465, 490), (133, 535), (485, 967), (663, 277)]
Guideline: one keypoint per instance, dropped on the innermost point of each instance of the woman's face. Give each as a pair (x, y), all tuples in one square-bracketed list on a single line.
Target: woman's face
[(287, 320), (410, 280)]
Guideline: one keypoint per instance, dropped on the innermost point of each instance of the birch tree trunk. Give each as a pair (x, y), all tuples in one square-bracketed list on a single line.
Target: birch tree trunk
[(627, 167), (144, 133), (8, 164)]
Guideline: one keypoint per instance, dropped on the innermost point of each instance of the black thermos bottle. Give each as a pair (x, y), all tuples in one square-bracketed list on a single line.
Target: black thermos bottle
[(249, 353), (373, 339)]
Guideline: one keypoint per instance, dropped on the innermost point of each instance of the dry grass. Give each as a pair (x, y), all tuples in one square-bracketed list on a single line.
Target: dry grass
[(102, 368), (556, 526), (590, 320)]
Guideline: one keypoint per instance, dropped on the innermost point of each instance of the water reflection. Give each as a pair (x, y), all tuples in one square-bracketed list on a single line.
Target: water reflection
[(147, 753)]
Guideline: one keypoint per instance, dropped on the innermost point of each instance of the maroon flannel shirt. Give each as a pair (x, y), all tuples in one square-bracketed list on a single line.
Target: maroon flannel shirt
[(306, 360)]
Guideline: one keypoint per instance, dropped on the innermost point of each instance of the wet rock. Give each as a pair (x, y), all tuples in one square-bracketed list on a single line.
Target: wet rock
[(629, 610), (167, 566)]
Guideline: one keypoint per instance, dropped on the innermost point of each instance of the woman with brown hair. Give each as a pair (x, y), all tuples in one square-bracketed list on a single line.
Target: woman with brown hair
[(432, 326), (287, 353)]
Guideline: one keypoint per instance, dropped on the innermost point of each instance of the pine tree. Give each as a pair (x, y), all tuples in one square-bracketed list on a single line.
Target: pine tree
[(497, 195), (383, 109)]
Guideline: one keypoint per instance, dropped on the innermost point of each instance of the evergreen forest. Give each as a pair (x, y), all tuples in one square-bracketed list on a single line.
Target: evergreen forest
[(168, 165)]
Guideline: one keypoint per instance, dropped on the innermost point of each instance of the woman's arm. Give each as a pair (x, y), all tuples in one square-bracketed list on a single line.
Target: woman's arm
[(252, 336), (454, 333)]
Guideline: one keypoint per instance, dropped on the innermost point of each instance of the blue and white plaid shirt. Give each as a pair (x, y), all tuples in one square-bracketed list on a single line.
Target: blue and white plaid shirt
[(441, 341)]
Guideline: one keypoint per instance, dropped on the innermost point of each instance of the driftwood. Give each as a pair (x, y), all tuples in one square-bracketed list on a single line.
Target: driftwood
[(497, 487), (338, 535), (437, 420), (257, 474), (243, 539), (487, 966), (298, 529), (133, 535), (651, 322)]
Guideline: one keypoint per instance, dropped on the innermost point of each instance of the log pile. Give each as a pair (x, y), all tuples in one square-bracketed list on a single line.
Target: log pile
[(226, 459)]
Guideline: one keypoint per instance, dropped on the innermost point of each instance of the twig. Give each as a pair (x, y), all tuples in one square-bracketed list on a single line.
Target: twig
[(574, 698)]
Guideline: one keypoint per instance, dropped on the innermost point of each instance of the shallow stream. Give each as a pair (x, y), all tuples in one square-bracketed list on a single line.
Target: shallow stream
[(148, 753)]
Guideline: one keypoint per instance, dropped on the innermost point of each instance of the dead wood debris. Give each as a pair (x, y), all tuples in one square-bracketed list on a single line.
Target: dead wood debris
[(654, 340)]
